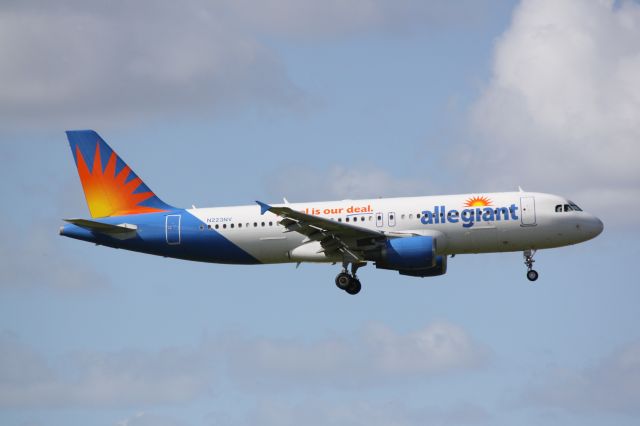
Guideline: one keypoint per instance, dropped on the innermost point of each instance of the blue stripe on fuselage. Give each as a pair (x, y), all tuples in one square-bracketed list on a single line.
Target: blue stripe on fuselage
[(195, 244)]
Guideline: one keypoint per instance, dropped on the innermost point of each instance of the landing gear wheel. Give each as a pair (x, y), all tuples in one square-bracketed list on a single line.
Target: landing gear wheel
[(532, 275), (354, 286), (349, 282), (343, 280)]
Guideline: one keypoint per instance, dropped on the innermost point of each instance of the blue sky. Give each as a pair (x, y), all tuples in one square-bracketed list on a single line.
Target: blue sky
[(225, 102)]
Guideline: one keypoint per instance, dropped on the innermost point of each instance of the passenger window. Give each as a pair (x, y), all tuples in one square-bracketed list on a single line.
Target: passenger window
[(202, 227), (224, 226), (232, 225), (239, 225), (262, 223), (217, 226), (255, 224), (558, 208), (346, 220), (208, 226), (270, 223), (339, 219), (362, 219)]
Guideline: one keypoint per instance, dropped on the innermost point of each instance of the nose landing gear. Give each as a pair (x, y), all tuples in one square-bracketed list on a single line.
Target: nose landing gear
[(349, 282), (532, 274)]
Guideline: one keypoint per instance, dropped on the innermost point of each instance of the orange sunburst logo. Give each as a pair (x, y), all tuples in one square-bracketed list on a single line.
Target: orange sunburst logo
[(108, 193), (477, 202)]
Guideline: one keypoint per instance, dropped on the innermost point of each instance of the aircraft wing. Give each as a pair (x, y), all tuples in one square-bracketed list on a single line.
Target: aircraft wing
[(347, 239)]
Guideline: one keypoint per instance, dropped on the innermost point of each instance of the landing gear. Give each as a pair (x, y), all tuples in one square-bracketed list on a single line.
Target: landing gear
[(349, 282), (343, 280), (354, 286), (532, 275)]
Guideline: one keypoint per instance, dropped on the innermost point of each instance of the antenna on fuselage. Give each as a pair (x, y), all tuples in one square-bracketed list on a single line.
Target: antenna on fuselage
[(520, 188)]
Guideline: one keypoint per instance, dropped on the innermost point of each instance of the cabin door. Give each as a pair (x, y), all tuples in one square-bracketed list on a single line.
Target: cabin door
[(172, 228), (528, 211)]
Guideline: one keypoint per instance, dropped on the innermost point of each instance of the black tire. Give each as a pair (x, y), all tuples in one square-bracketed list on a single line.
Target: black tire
[(354, 287), (532, 275), (343, 281)]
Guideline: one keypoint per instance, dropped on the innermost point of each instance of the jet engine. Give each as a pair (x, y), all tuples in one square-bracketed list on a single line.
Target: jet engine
[(415, 256)]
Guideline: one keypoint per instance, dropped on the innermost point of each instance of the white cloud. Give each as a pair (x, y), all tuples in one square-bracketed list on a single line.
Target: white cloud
[(611, 385), (340, 182), (33, 259), (373, 357), (562, 109), (86, 61), (339, 18), (370, 413), (90, 379), (143, 418), (437, 348)]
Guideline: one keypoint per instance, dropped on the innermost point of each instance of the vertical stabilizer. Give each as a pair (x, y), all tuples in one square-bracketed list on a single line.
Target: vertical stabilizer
[(110, 187)]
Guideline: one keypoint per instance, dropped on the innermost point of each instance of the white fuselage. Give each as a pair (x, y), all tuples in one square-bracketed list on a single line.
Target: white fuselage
[(468, 223)]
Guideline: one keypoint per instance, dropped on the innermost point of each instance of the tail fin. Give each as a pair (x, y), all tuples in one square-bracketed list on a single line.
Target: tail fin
[(110, 186)]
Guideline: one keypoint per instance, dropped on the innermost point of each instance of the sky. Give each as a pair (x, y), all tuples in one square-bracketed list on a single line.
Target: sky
[(226, 102)]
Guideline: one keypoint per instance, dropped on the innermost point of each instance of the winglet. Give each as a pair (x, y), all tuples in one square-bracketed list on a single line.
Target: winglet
[(263, 207)]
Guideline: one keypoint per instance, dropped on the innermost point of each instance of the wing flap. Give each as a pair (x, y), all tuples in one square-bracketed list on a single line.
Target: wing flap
[(334, 237)]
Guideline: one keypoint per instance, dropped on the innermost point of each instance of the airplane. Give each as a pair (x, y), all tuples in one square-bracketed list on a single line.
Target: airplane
[(411, 235)]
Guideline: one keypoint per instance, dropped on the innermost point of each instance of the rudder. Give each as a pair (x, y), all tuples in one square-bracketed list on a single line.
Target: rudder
[(110, 187)]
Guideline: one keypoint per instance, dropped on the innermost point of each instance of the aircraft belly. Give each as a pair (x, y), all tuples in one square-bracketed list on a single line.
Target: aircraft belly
[(268, 248), (479, 239), (517, 238)]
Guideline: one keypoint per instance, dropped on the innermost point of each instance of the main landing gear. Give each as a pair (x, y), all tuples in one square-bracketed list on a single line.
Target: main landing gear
[(532, 274), (349, 282)]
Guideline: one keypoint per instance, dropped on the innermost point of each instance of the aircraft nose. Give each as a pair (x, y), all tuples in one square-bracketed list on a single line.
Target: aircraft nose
[(594, 226), (599, 226)]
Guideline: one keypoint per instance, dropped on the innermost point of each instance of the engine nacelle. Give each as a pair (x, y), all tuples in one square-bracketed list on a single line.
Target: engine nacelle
[(408, 253), (414, 256)]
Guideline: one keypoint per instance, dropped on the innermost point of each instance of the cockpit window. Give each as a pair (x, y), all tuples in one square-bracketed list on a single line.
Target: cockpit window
[(568, 207), (574, 206)]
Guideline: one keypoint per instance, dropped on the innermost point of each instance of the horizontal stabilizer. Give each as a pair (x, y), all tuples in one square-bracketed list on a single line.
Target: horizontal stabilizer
[(125, 230)]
